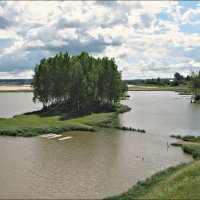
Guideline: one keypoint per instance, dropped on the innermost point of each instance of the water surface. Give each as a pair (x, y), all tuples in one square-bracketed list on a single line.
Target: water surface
[(15, 103), (101, 164)]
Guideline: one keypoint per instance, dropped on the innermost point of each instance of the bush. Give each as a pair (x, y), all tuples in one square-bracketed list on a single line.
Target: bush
[(35, 131), (193, 149), (189, 138)]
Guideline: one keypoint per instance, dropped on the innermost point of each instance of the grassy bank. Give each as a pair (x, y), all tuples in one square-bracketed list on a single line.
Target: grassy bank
[(188, 138), (124, 128), (182, 89), (193, 149), (36, 123), (180, 182)]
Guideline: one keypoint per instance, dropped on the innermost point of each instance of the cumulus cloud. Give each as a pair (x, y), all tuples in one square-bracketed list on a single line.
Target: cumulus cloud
[(146, 38)]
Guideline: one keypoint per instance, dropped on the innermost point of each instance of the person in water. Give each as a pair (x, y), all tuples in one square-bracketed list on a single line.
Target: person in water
[(167, 144)]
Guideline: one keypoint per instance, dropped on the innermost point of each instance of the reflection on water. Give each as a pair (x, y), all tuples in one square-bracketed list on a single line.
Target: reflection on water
[(96, 165)]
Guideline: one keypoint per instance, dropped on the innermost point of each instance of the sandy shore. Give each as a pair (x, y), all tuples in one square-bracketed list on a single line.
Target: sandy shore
[(145, 88), (15, 88)]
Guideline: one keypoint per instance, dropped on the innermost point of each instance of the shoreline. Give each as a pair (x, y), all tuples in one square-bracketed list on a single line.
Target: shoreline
[(43, 122), (15, 88), (166, 184), (180, 89), (27, 87)]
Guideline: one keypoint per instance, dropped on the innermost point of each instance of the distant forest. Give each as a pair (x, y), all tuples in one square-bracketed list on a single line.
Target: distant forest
[(15, 81), (178, 79)]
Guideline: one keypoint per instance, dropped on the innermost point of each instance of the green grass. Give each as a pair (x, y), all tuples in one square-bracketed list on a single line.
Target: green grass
[(193, 149), (34, 124), (124, 128), (182, 89), (188, 138), (37, 120), (181, 182), (41, 122), (120, 108)]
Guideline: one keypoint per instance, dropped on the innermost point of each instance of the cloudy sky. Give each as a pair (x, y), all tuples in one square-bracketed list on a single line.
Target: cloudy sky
[(147, 39)]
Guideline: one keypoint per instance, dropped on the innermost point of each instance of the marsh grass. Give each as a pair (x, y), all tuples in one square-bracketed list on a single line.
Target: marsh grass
[(124, 128), (193, 149), (35, 131)]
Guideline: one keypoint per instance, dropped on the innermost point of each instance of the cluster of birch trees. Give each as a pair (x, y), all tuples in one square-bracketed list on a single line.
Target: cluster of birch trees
[(77, 81)]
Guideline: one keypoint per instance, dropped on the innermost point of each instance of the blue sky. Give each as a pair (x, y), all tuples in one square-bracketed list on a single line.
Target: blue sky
[(147, 38)]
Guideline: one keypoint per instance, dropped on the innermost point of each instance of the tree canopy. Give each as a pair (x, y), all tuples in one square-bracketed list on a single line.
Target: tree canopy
[(195, 85), (77, 81)]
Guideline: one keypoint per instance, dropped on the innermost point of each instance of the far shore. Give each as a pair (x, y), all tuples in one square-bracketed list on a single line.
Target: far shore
[(182, 89), (15, 88), (27, 88)]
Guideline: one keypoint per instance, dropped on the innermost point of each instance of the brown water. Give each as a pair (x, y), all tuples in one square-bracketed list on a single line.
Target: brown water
[(14, 103), (101, 164)]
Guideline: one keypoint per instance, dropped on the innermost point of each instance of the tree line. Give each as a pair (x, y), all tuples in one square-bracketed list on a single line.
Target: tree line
[(195, 85), (78, 81), (176, 81)]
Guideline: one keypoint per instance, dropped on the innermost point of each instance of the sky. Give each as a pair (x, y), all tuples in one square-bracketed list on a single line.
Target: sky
[(148, 39)]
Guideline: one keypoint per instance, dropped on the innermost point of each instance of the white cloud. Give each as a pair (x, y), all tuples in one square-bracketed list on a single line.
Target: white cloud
[(194, 63), (191, 16), (27, 74), (145, 37)]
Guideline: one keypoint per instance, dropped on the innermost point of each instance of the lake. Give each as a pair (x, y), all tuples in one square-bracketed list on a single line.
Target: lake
[(15, 103), (100, 164)]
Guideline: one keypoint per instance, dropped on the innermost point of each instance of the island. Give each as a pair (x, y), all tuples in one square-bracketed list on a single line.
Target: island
[(77, 93)]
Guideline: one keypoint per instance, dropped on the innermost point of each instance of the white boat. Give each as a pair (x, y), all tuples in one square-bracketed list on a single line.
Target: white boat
[(65, 138), (47, 135), (54, 136)]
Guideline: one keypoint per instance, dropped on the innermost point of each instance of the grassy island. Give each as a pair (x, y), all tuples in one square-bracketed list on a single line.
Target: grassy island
[(46, 121), (77, 92)]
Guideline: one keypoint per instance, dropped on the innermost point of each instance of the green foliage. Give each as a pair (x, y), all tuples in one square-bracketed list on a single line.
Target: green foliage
[(195, 85), (189, 138), (33, 125), (120, 108), (77, 82), (124, 128), (129, 129), (193, 149), (178, 80), (35, 131)]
